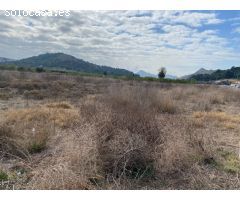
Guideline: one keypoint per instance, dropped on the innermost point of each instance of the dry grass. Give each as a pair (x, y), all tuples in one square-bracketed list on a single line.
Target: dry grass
[(57, 177), (61, 114), (133, 142), (129, 135), (145, 98), (9, 147), (218, 116), (230, 125), (222, 119), (60, 105), (28, 130)]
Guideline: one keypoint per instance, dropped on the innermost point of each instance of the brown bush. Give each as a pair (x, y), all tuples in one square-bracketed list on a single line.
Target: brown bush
[(35, 94), (28, 85), (75, 163), (142, 98), (132, 141), (9, 145), (58, 177), (29, 129)]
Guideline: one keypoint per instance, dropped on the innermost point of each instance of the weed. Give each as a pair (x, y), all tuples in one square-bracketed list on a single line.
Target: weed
[(3, 176)]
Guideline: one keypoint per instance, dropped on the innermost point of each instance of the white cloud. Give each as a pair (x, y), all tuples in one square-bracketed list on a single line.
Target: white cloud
[(128, 39), (236, 30)]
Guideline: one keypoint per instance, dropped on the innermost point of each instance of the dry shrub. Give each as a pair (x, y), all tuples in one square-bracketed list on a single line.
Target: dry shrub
[(183, 145), (177, 93), (218, 95), (38, 140), (28, 85), (133, 142), (126, 143), (230, 125), (130, 134), (74, 164), (58, 177), (126, 154), (9, 146), (60, 105), (165, 104), (218, 116), (4, 84), (81, 152), (222, 119), (203, 105), (34, 94), (183, 92), (29, 132), (143, 98), (127, 132), (5, 96), (198, 122), (206, 99), (217, 99), (58, 113), (231, 95), (3, 78), (214, 96), (31, 127)]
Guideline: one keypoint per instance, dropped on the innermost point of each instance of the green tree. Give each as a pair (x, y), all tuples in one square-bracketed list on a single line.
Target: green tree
[(40, 70), (162, 72)]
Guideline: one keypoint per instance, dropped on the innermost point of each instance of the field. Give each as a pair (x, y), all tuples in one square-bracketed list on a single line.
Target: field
[(73, 132)]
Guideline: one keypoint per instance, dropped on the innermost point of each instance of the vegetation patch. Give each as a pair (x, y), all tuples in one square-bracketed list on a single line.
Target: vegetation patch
[(122, 134), (36, 147), (3, 176), (60, 105), (230, 161), (55, 113), (223, 119)]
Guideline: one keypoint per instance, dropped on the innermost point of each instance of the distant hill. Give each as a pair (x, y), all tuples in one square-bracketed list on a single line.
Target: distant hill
[(171, 76), (67, 62), (143, 73), (233, 73), (2, 60), (200, 71)]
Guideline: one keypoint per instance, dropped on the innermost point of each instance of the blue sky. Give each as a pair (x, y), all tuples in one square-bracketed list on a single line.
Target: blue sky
[(181, 41)]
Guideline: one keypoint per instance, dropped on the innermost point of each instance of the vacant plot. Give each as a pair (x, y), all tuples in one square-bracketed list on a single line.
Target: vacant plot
[(72, 132)]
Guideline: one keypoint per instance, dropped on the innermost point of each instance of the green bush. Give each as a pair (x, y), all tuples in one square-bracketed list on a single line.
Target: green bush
[(37, 147), (3, 176)]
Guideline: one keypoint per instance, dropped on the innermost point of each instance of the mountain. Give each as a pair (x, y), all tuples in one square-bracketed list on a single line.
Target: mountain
[(143, 73), (232, 73), (2, 60), (171, 76), (200, 71), (67, 62)]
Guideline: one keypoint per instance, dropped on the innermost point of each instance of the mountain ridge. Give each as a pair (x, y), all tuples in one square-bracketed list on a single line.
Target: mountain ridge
[(232, 73), (3, 59), (68, 62), (143, 73), (199, 71)]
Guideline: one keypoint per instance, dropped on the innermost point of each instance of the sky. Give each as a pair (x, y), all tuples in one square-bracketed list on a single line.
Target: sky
[(181, 41)]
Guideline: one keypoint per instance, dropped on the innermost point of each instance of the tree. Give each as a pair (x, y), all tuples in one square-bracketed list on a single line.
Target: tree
[(105, 73), (162, 72), (40, 70), (21, 69)]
